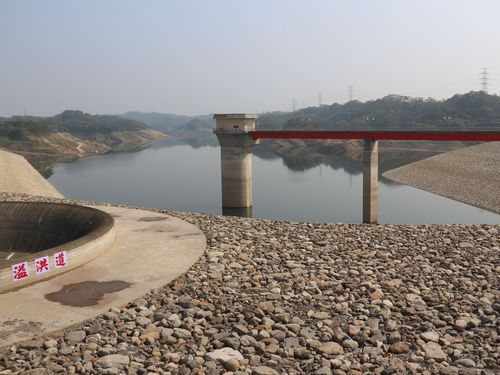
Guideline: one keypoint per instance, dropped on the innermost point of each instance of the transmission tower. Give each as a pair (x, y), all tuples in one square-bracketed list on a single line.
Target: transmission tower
[(350, 93), (294, 105), (319, 99), (484, 79)]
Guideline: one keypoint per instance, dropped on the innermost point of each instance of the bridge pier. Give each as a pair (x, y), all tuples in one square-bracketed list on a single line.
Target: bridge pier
[(370, 181), (236, 144), (237, 188)]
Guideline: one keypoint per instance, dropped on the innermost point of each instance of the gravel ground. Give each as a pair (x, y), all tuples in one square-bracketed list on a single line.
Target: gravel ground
[(274, 297), (470, 175)]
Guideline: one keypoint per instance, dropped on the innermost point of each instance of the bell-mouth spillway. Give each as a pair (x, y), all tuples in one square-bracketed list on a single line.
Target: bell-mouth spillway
[(39, 240)]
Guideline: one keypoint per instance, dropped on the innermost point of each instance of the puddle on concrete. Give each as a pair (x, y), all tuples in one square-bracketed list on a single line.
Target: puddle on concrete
[(86, 293), (153, 218)]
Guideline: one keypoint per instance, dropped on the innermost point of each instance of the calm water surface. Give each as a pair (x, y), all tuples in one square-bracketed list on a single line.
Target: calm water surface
[(175, 176)]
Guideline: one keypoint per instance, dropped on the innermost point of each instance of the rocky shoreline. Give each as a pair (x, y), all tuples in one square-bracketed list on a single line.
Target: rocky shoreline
[(275, 297)]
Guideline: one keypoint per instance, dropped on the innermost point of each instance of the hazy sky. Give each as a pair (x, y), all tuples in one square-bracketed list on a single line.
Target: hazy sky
[(193, 57)]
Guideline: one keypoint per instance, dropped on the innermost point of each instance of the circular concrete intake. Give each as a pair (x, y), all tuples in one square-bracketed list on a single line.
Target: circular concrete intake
[(40, 240)]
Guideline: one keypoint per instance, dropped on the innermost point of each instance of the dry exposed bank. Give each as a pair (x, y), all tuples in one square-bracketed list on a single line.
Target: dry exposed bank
[(470, 175), (45, 150)]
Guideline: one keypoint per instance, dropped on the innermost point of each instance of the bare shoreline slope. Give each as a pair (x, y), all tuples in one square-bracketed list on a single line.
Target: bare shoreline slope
[(19, 177), (470, 175)]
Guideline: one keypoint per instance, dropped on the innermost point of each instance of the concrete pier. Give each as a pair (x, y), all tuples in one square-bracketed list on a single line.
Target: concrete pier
[(239, 211), (235, 139), (370, 181)]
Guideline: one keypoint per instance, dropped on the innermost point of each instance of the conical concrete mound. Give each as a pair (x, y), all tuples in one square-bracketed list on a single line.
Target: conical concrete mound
[(17, 176)]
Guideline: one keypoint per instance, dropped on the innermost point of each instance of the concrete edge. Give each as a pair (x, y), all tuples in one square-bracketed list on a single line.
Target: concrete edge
[(168, 247), (78, 253)]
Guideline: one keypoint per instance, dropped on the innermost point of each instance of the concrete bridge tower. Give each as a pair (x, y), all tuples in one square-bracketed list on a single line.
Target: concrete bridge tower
[(370, 181), (236, 143)]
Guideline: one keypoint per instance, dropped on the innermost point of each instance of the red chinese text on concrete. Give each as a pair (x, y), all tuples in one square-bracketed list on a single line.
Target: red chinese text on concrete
[(42, 265), (20, 271), (60, 259)]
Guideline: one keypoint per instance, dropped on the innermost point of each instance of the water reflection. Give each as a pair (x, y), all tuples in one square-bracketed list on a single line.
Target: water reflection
[(172, 175)]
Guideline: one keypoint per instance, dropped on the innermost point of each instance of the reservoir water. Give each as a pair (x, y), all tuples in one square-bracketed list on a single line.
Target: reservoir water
[(174, 176)]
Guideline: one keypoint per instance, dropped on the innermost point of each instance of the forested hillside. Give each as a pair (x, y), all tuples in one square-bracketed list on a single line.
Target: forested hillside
[(70, 135), (17, 128), (471, 110)]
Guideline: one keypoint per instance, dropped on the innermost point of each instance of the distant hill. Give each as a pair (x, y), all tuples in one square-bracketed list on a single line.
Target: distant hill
[(71, 135), (167, 122), (194, 130), (196, 133), (472, 110), (70, 121)]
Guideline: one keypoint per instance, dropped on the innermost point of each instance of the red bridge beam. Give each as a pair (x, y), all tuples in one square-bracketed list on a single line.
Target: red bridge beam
[(478, 136)]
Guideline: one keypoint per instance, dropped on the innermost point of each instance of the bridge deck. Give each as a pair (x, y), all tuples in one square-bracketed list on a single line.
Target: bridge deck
[(431, 135)]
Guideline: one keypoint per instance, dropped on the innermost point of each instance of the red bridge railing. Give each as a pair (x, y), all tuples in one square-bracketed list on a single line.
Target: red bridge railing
[(478, 136)]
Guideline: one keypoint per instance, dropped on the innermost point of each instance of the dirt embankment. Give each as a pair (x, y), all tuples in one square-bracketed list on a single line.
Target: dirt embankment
[(45, 150)]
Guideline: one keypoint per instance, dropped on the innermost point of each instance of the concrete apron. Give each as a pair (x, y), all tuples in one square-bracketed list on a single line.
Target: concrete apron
[(151, 249)]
